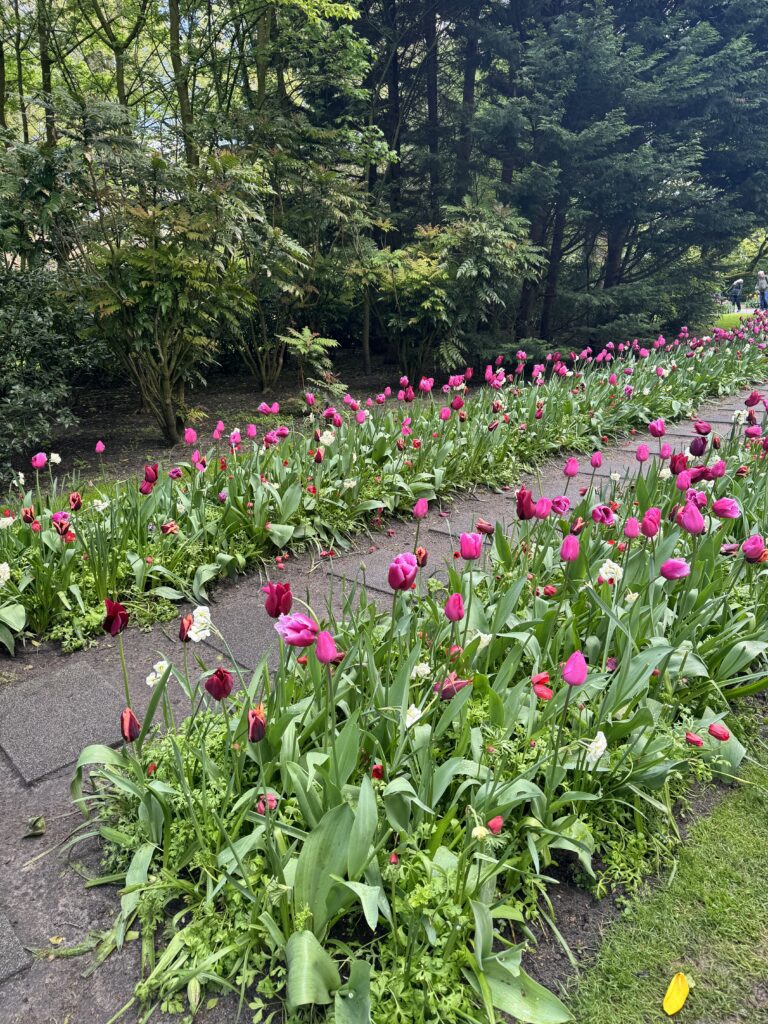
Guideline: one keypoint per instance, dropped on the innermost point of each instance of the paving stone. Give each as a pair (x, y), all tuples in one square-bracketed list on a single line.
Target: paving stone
[(13, 956)]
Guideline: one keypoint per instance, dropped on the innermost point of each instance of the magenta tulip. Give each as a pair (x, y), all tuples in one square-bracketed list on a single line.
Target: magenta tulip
[(691, 520), (297, 630), (657, 428), (571, 467), (726, 508), (597, 460), (190, 436), (402, 571), (325, 648), (575, 669), (100, 447), (642, 454), (651, 523), (279, 599), (631, 528), (569, 549), (450, 686), (454, 608), (542, 508), (675, 569), (421, 508), (470, 546), (753, 548), (39, 460)]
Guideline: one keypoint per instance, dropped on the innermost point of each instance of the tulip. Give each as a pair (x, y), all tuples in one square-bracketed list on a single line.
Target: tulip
[(187, 622), (753, 548), (631, 528), (28, 514), (130, 727), (693, 740), (569, 549), (542, 691), (719, 732), (678, 462), (542, 508), (651, 523), (454, 608), (402, 571), (450, 686), (571, 467), (470, 545), (691, 520), (665, 451), (176, 473), (597, 460), (752, 400), (146, 488), (39, 460), (219, 683), (421, 508), (279, 599), (603, 514), (151, 474), (717, 469), (524, 502), (698, 446), (496, 824), (377, 771), (702, 427), (325, 648), (75, 501), (170, 527), (116, 618), (642, 454), (484, 527), (100, 447), (575, 669), (657, 428), (297, 630), (421, 556), (561, 505), (257, 724), (675, 569), (190, 436), (267, 802), (726, 508)]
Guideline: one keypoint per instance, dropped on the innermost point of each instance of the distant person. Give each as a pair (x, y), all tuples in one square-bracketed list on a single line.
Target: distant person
[(735, 292), (762, 289)]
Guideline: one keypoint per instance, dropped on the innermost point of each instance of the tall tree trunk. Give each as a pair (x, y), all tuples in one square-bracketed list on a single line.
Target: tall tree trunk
[(366, 332), (122, 95), (615, 238), (433, 114), (3, 87), (393, 101), (555, 262), (181, 83), (43, 30), (531, 289), (462, 178), (18, 49)]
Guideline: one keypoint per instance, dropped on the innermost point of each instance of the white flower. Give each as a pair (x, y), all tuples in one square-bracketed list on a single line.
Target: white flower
[(665, 473), (5, 573), (421, 671), (201, 624), (480, 832), (596, 748), (55, 459), (5, 522), (327, 437), (631, 596), (412, 715), (101, 506), (20, 480), (485, 639), (615, 477), (610, 571), (158, 671), (646, 391), (740, 416), (349, 484)]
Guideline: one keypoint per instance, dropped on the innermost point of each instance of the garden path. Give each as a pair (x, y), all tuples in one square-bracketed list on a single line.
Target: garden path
[(52, 705)]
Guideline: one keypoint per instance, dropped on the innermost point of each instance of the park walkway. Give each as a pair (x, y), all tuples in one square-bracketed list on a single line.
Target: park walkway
[(52, 705)]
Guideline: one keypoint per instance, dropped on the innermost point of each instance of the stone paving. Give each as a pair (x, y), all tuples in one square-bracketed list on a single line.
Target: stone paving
[(52, 705)]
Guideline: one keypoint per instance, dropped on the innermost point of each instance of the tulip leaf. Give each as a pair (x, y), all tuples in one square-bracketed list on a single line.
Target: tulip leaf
[(323, 855), (312, 974), (353, 1000), (520, 996), (363, 829)]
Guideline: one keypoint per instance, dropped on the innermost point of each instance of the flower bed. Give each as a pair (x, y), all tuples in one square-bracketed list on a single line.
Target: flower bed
[(168, 536), (371, 828)]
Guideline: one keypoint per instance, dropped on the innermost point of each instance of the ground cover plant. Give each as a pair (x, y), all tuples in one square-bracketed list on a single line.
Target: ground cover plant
[(256, 490), (368, 831)]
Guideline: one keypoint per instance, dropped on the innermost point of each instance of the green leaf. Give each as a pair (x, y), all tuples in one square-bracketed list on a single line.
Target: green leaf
[(520, 996), (312, 974), (353, 1000), (323, 855), (363, 829)]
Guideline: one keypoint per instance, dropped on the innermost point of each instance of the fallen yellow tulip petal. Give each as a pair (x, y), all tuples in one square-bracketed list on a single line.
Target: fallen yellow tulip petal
[(676, 995)]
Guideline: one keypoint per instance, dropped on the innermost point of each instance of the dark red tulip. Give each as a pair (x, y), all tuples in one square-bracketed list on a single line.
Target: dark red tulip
[(526, 508), (28, 514), (151, 474), (130, 727), (146, 488), (116, 618), (257, 724), (75, 501), (219, 683)]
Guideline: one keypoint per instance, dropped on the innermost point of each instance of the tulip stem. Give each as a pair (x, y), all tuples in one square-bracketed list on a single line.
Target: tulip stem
[(121, 648), (556, 751)]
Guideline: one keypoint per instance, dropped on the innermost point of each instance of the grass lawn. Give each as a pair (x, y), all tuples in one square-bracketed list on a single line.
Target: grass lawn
[(729, 321), (710, 922)]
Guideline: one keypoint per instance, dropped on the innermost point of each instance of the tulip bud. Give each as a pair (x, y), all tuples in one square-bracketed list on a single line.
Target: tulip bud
[(130, 727), (257, 724)]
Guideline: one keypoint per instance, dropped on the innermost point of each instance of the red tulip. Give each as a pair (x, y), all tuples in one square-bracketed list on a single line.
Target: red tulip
[(116, 618), (220, 683), (719, 732), (130, 727), (257, 724), (693, 740), (496, 824), (75, 501), (279, 599)]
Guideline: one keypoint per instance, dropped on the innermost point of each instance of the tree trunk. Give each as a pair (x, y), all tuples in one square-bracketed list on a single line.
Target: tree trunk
[(365, 339), (43, 28), (530, 289), (553, 271), (462, 177), (181, 83), (393, 102), (3, 87), (122, 95), (18, 48), (615, 238), (433, 115)]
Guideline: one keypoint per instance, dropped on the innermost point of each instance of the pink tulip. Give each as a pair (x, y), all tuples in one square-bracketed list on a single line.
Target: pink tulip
[(575, 669), (190, 436), (665, 451), (569, 549), (597, 460), (297, 630), (402, 571), (39, 460), (421, 508), (251, 430), (717, 469), (753, 548), (100, 447), (470, 545), (445, 413), (631, 528), (642, 454), (561, 505), (675, 569), (450, 686), (571, 467), (719, 732), (691, 520), (542, 508), (454, 608), (726, 508), (651, 523), (325, 648), (657, 428)]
